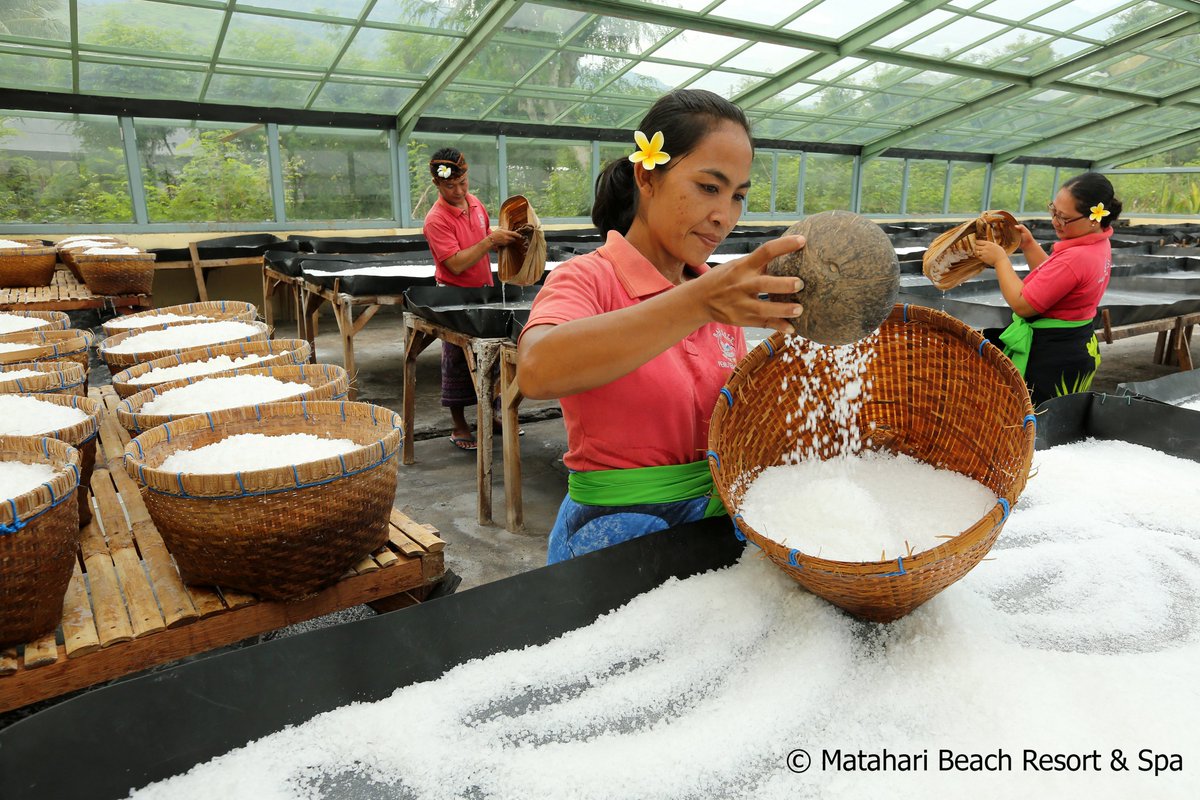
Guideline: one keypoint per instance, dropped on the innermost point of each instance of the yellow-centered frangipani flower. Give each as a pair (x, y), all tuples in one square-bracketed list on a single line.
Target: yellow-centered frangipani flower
[(1099, 212), (649, 153)]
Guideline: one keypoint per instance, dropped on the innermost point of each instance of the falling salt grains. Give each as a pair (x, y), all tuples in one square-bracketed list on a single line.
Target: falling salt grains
[(184, 336), (251, 451), (195, 368), (18, 477), (869, 507), (154, 319), (29, 416), (215, 394), (11, 323)]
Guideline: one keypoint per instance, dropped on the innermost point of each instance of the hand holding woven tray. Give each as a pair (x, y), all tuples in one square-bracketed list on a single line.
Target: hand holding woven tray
[(523, 262), (951, 259)]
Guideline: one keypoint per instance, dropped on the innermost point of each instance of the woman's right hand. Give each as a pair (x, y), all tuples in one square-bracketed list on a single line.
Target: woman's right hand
[(1027, 239), (731, 293)]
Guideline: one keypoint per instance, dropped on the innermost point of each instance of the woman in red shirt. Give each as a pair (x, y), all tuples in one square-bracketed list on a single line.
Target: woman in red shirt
[(1052, 340), (637, 338)]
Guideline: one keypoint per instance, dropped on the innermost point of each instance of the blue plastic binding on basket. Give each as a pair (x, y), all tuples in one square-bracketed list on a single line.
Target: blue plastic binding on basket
[(792, 558), (906, 312), (900, 570), (343, 408), (728, 395), (713, 455), (737, 529), (1030, 418), (211, 426), (296, 474), (770, 349), (1004, 505), (982, 342), (241, 485)]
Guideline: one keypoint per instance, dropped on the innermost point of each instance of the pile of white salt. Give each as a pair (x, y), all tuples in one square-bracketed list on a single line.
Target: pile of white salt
[(11, 323), (215, 394), (6, 244), (29, 416), (184, 336), (190, 369), (702, 687), (152, 319), (12, 347), (250, 451), (18, 477), (14, 375)]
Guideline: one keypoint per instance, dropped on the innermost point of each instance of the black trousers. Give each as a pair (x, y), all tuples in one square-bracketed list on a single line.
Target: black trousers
[(1061, 361)]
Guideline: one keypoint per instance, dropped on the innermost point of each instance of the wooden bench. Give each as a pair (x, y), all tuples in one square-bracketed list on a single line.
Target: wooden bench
[(200, 266), (66, 293), (315, 295), (127, 609), (1173, 345), (273, 281)]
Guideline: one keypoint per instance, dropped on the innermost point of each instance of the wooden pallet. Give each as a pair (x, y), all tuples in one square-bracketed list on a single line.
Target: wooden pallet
[(66, 293), (126, 608)]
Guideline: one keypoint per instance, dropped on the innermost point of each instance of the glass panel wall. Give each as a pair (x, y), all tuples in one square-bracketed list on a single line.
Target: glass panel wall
[(1006, 187), (926, 187), (61, 168), (483, 171), (827, 182), (966, 187), (554, 176), (1039, 189), (204, 172), (882, 180), (335, 174)]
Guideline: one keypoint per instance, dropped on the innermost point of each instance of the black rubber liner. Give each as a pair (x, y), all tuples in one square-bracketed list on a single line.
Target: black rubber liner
[(1075, 417), (360, 244), (106, 742), (365, 285), (470, 311), (252, 244), (1174, 389)]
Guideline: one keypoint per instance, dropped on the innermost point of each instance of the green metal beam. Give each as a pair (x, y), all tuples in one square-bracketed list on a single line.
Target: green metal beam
[(846, 47), (1190, 6), (74, 14), (337, 59), (487, 23), (1048, 79), (216, 53), (1100, 124), (1149, 149)]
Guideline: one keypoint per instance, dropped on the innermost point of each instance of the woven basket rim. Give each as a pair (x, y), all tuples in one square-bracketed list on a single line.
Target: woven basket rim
[(220, 307), (180, 431), (42, 450), (58, 320), (133, 419), (203, 354), (69, 374), (28, 250), (996, 515), (86, 258), (107, 344), (50, 336), (80, 432)]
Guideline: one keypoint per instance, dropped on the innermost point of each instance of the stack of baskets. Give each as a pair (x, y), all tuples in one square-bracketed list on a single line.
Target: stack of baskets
[(279, 533), (274, 353), (39, 346), (39, 536), (939, 393), (29, 264), (72, 245), (81, 436), (113, 271)]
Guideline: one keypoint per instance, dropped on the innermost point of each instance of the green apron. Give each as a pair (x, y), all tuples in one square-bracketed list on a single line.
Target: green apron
[(631, 487), (1018, 337)]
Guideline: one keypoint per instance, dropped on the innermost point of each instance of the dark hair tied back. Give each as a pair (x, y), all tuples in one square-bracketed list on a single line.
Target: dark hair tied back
[(1092, 188), (685, 117)]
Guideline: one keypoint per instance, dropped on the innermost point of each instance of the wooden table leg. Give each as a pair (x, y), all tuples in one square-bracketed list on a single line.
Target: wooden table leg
[(198, 272), (1171, 357), (484, 355), (312, 307), (510, 401), (1183, 349), (343, 314), (268, 306), (414, 342), (298, 306), (1160, 348)]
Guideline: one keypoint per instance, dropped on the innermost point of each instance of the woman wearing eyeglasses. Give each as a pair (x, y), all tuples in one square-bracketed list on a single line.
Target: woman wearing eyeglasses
[(1052, 339)]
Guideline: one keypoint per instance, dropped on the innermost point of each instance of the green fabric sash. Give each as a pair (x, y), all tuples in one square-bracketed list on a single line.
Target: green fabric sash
[(1018, 337), (632, 487)]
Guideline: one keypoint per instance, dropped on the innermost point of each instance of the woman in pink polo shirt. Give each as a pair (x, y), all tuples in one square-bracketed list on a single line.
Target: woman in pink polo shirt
[(460, 239), (1052, 339), (637, 338)]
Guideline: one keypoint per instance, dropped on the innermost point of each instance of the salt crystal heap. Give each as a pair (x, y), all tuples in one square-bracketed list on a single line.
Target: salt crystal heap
[(190, 369), (252, 451), (216, 394), (184, 336), (11, 323), (154, 319), (18, 477)]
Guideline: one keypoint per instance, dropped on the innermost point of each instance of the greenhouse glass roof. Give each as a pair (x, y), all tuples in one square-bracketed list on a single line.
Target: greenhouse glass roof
[(1103, 81)]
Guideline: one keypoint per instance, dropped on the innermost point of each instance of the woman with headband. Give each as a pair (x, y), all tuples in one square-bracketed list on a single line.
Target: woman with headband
[(460, 239)]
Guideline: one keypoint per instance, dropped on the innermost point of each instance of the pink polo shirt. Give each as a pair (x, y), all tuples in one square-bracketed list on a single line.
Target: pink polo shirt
[(450, 230), (658, 414), (1069, 284)]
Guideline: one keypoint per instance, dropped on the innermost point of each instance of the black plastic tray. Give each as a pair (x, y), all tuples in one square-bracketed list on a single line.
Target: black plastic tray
[(252, 244), (360, 244), (1159, 426), (464, 310), (367, 285), (146, 729), (1175, 388)]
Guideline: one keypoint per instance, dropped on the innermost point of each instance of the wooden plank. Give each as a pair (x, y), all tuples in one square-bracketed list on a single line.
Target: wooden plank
[(205, 599), (365, 565), (78, 625), (9, 663), (404, 544), (68, 674), (385, 557), (144, 615), (237, 599), (42, 652), (112, 619), (421, 534)]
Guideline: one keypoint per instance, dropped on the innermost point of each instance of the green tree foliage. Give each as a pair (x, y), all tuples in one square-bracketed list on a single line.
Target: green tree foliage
[(220, 181)]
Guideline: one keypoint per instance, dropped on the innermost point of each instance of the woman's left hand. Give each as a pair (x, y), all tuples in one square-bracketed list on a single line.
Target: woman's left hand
[(990, 253)]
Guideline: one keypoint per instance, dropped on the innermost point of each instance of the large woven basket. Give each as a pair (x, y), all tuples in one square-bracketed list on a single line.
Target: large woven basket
[(211, 311), (69, 345), (939, 393), (39, 536), (278, 533), (54, 377), (950, 259), (32, 265), (120, 361), (51, 320), (328, 382), (275, 352), (67, 248), (117, 274), (81, 436)]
